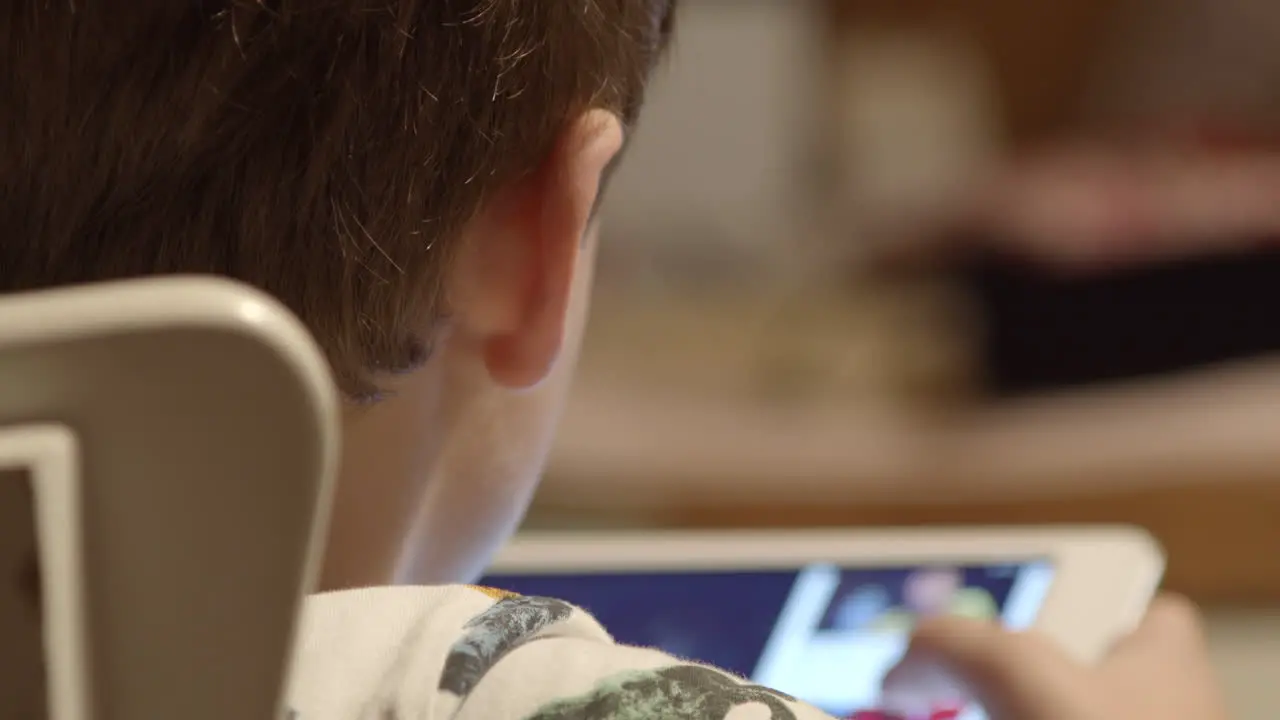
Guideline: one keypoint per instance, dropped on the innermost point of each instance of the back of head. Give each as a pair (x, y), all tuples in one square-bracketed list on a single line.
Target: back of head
[(327, 151)]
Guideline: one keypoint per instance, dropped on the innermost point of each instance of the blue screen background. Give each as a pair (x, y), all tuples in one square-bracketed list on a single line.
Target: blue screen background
[(719, 618)]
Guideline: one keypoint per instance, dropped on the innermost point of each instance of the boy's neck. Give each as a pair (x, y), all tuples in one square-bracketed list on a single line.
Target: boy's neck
[(388, 452)]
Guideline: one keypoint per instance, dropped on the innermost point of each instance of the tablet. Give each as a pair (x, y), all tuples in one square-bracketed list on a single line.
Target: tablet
[(167, 452), (822, 615)]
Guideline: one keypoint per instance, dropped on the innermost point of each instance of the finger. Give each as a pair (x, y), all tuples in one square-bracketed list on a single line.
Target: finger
[(1171, 628), (1012, 674)]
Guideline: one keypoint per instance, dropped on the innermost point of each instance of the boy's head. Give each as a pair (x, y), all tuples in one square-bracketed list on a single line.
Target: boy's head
[(415, 178)]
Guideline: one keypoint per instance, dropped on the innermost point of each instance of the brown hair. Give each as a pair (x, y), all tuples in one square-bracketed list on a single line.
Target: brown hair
[(327, 151)]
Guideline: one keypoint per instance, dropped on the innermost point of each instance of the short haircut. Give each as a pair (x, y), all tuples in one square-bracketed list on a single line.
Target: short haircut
[(326, 151)]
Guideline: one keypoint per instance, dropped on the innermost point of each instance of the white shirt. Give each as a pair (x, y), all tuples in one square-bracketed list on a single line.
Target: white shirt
[(468, 653)]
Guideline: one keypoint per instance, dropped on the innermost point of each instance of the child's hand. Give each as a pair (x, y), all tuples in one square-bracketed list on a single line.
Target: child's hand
[(1159, 672)]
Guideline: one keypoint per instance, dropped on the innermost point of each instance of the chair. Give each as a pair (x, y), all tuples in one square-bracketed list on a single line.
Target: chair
[(167, 448)]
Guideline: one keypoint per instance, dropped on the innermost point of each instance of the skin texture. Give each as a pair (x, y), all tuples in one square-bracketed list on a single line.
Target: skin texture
[(437, 476)]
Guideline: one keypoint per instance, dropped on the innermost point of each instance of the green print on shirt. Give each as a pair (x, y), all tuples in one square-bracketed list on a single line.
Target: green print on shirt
[(680, 692), (506, 625)]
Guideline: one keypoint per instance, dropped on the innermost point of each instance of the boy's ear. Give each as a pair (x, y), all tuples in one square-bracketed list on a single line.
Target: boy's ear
[(517, 269)]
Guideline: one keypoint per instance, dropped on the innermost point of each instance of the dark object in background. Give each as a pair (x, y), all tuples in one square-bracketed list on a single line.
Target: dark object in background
[(1047, 333)]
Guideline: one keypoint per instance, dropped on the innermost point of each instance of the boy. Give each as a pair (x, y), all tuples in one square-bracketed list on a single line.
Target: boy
[(417, 180)]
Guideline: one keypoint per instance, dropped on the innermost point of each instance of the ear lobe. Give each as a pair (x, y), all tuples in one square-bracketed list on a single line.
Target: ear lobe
[(561, 198)]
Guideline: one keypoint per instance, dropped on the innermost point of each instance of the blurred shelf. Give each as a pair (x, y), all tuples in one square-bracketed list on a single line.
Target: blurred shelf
[(1041, 54), (644, 447)]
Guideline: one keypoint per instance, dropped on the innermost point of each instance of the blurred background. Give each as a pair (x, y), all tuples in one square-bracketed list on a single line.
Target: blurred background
[(906, 261)]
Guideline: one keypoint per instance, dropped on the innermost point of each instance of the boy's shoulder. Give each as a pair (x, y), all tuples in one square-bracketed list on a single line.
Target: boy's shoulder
[(469, 652)]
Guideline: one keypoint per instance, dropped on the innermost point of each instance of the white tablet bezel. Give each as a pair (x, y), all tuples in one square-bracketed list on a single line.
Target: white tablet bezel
[(1104, 577)]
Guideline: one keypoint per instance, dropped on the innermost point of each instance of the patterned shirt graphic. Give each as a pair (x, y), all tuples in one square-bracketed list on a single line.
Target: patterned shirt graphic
[(470, 653)]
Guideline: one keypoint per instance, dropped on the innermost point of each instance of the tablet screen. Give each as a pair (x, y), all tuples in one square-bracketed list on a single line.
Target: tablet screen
[(823, 633)]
